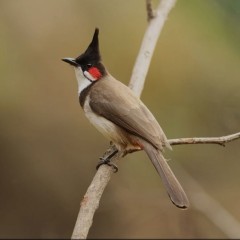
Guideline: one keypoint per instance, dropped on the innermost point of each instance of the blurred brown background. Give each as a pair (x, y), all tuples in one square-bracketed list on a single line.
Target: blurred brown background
[(49, 150)]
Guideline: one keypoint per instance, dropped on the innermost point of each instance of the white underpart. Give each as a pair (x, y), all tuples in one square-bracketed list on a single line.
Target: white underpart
[(83, 82)]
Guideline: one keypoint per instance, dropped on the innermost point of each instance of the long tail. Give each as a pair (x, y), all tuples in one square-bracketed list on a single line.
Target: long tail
[(173, 187)]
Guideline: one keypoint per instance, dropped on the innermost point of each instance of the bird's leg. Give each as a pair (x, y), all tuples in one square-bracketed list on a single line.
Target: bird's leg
[(107, 160)]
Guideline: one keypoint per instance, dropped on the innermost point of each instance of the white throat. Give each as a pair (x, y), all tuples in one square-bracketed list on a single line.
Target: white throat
[(83, 82)]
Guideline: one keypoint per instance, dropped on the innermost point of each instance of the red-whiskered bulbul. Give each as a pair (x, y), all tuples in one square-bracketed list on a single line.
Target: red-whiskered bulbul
[(121, 116)]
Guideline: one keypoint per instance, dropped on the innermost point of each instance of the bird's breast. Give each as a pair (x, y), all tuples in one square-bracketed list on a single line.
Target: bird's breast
[(110, 130)]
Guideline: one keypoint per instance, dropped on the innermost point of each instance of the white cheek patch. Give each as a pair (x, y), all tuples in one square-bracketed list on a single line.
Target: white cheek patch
[(83, 82), (89, 76)]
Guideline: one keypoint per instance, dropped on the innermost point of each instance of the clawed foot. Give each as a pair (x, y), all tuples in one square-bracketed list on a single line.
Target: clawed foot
[(106, 161)]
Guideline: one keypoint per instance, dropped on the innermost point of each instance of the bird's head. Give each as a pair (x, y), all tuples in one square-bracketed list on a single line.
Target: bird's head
[(88, 65)]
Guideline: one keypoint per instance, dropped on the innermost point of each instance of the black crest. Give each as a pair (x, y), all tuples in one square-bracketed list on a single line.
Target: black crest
[(92, 54)]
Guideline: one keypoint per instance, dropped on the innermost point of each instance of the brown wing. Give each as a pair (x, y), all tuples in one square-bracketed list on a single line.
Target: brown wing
[(119, 105)]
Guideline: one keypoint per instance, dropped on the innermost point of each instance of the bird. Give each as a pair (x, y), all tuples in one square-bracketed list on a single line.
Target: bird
[(121, 116)]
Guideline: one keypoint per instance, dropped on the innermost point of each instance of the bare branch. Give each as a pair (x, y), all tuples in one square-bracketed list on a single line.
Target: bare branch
[(205, 140), (149, 42), (91, 199), (93, 195)]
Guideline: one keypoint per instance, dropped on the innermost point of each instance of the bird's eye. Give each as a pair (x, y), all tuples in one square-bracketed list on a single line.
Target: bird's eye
[(89, 65)]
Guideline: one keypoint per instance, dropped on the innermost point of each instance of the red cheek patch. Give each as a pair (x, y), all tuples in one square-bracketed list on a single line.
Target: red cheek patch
[(95, 73)]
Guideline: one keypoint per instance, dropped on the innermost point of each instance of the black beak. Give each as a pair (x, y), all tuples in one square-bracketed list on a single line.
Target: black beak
[(71, 61)]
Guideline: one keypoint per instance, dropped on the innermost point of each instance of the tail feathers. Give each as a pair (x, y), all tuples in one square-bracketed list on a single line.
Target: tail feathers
[(173, 187)]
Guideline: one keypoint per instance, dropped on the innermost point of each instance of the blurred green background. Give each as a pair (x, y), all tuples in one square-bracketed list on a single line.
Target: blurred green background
[(49, 150)]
